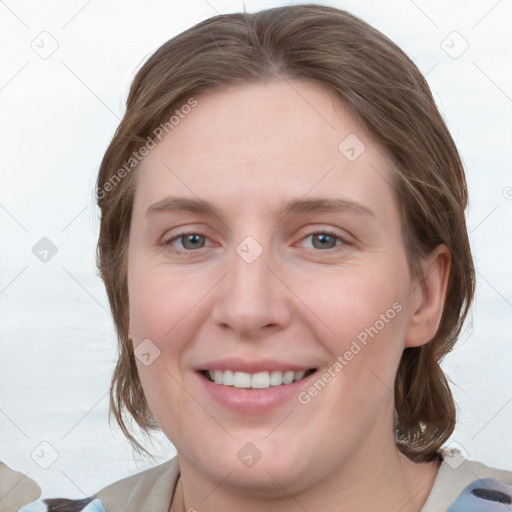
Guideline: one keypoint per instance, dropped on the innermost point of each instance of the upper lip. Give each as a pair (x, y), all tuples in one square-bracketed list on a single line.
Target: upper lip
[(260, 365)]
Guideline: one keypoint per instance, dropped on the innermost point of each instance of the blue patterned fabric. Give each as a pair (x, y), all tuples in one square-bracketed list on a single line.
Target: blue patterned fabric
[(64, 505), (484, 494)]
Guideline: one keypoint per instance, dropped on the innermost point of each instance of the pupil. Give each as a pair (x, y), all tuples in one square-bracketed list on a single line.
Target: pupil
[(323, 238), (191, 238)]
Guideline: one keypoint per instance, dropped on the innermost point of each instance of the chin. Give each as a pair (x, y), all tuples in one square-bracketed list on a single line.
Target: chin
[(264, 479), (259, 466)]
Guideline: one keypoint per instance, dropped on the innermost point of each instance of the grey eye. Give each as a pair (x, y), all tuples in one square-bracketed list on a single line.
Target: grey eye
[(326, 241), (192, 241)]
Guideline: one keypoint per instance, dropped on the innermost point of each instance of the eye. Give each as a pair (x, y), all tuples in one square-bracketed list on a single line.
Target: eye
[(190, 241), (324, 239)]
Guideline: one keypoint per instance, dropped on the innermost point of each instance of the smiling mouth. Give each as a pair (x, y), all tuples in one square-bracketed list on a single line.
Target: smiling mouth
[(260, 380)]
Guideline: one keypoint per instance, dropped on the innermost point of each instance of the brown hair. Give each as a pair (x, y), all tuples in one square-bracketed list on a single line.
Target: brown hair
[(391, 99)]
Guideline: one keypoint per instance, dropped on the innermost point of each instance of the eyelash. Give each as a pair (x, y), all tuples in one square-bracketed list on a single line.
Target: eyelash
[(322, 232)]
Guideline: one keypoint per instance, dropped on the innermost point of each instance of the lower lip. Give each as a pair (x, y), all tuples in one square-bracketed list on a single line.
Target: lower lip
[(252, 400)]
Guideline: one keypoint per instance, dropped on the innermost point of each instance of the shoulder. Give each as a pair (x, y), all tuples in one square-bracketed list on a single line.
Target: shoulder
[(151, 489), (16, 488), (463, 485)]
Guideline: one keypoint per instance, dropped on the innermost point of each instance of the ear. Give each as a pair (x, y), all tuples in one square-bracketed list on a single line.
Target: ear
[(428, 297)]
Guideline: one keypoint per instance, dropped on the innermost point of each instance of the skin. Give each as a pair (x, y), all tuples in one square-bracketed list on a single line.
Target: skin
[(248, 149)]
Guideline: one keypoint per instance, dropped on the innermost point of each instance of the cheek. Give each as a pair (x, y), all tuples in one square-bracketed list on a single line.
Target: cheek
[(159, 303), (367, 311), (154, 310), (158, 312), (162, 310), (352, 302)]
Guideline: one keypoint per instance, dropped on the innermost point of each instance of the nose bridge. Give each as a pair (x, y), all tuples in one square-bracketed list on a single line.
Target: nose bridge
[(250, 270), (250, 297)]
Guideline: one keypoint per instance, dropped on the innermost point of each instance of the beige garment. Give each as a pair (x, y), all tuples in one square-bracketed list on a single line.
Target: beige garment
[(16, 489), (451, 481), (150, 490), (153, 489)]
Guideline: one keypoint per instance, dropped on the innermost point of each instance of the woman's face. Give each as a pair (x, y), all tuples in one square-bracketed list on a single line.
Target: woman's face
[(301, 265)]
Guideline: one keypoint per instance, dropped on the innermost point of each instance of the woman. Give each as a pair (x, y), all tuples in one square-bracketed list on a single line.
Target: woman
[(284, 248)]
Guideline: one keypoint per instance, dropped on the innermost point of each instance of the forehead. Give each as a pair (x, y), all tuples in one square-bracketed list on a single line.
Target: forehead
[(262, 142)]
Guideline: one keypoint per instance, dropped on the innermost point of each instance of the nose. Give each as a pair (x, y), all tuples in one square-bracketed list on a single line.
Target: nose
[(251, 298)]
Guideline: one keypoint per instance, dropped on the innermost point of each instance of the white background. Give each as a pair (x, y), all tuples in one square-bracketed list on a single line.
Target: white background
[(57, 117)]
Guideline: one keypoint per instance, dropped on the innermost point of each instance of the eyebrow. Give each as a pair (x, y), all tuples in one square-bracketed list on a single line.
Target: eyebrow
[(294, 206)]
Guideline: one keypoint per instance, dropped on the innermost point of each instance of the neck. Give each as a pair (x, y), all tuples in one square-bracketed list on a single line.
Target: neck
[(392, 483)]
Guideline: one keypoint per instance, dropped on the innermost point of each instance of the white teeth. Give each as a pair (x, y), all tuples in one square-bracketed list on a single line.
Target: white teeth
[(260, 380), (219, 377), (242, 380), (228, 379), (276, 378), (299, 375), (288, 377)]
